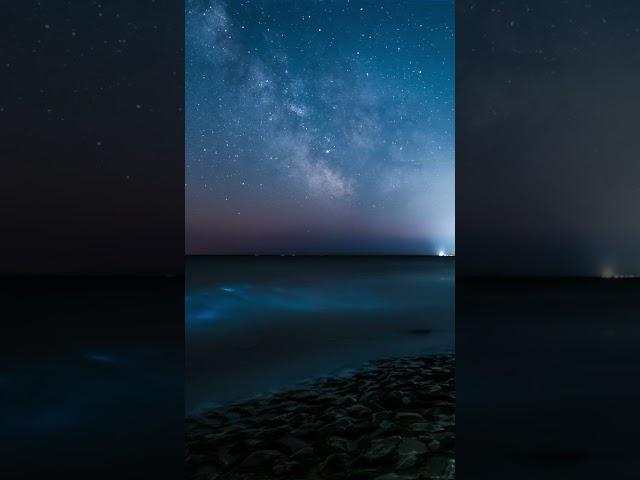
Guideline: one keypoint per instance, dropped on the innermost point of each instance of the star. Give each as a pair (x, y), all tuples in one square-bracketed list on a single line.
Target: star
[(319, 135)]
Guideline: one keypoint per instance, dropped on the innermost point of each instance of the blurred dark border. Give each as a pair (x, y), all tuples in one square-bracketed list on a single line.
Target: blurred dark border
[(546, 200), (92, 137), (92, 235), (92, 377)]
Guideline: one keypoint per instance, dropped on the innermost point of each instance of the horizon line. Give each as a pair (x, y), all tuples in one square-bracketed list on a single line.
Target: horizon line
[(317, 255)]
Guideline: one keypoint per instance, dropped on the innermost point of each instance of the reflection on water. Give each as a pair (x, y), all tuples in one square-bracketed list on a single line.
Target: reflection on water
[(91, 378), (255, 325), (547, 379)]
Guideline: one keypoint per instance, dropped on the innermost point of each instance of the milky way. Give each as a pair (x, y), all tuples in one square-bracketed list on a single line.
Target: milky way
[(320, 127)]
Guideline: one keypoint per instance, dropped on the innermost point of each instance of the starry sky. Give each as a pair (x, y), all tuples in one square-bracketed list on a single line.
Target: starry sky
[(319, 127)]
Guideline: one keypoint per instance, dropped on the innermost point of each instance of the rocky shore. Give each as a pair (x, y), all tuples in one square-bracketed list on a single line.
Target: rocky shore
[(393, 420)]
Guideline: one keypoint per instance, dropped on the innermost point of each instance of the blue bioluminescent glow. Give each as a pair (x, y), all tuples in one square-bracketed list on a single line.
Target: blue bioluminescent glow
[(100, 357)]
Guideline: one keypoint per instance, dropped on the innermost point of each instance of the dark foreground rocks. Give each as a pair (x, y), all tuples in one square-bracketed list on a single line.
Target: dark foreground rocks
[(392, 421)]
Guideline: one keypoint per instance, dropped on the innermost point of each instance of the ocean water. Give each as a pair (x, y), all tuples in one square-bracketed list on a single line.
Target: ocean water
[(255, 325)]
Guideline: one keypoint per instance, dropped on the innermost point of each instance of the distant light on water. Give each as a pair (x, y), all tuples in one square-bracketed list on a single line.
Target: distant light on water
[(441, 253), (609, 273)]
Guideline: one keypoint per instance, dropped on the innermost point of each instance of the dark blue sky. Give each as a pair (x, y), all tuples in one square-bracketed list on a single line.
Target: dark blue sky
[(320, 127)]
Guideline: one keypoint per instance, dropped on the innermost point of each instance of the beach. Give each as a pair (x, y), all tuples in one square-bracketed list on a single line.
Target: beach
[(391, 419)]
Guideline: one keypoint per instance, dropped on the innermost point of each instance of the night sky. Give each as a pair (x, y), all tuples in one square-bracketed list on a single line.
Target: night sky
[(320, 127), (547, 143)]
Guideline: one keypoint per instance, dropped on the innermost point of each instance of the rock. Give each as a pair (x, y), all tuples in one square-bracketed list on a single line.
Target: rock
[(393, 400), (447, 441), (359, 411), (339, 444), (387, 426), (420, 427), (260, 459), (341, 425), (286, 468), (409, 418), (334, 413), (225, 457), (411, 446), (408, 461), (229, 434), (434, 446), (277, 421), (382, 448), (394, 476), (346, 400), (392, 421), (450, 471), (441, 467), (307, 430), (303, 453), (298, 419), (435, 389), (363, 473), (292, 444), (370, 397), (330, 398), (379, 417), (336, 462), (207, 473)]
